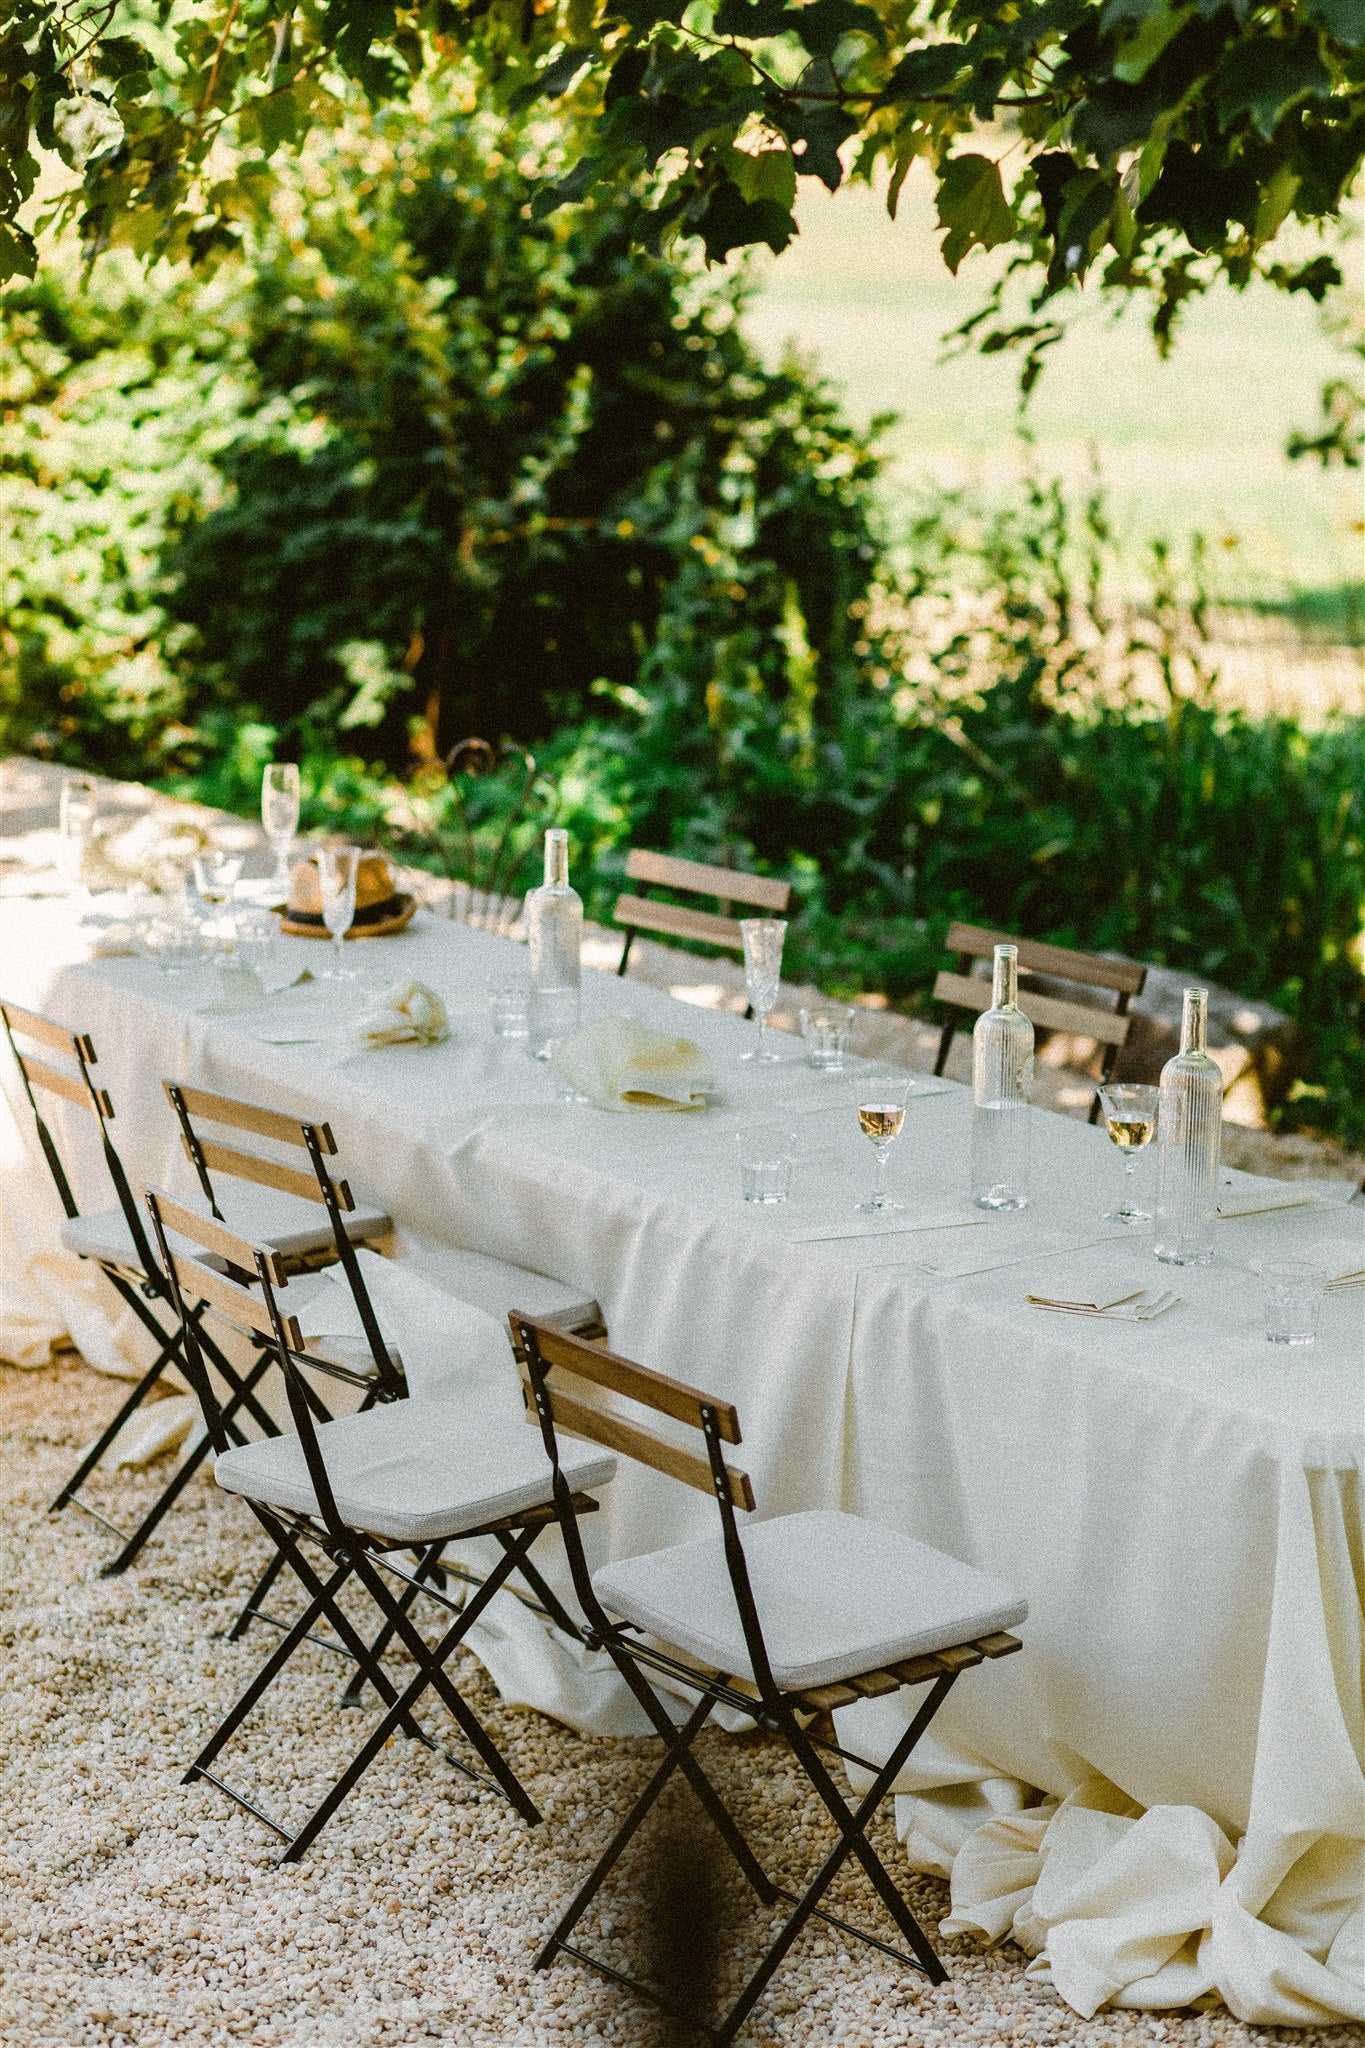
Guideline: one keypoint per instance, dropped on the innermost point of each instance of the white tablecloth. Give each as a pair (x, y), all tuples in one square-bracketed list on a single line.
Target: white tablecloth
[(1170, 1776)]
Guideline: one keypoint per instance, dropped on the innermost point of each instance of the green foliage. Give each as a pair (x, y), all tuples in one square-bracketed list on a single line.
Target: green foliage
[(1165, 143)]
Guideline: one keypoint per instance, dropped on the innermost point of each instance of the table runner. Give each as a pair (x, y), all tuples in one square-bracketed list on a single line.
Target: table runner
[(1181, 1504)]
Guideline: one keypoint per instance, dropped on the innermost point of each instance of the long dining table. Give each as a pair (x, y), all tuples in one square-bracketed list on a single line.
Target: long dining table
[(1163, 1798)]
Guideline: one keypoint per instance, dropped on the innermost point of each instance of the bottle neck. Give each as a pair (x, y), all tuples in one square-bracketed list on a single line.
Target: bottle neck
[(1005, 988), (1194, 1020), (556, 859)]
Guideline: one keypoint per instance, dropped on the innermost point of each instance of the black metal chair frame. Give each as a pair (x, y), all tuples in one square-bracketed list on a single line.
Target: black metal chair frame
[(137, 1289), (347, 1553), (315, 1137), (773, 1709)]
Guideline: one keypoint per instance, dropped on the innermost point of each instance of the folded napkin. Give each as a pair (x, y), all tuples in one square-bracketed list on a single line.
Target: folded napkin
[(1260, 1197), (1341, 1260), (618, 1064), (116, 941), (406, 1014), (1136, 1305)]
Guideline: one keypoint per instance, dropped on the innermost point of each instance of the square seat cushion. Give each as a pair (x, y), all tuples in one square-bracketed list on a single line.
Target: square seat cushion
[(286, 1223), (413, 1471), (836, 1596)]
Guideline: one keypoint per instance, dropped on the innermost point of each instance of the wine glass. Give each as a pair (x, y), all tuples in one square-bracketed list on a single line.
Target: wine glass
[(77, 807), (280, 813), (337, 875), (763, 938), (1130, 1119), (881, 1115), (215, 878)]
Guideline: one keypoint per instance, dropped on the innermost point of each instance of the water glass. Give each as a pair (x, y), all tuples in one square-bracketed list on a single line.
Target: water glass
[(508, 1008), (826, 1033), (215, 878), (171, 938), (77, 808), (1291, 1294), (280, 813), (767, 1152), (337, 867), (763, 940)]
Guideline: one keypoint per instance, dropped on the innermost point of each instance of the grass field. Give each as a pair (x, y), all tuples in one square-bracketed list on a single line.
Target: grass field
[(1195, 443)]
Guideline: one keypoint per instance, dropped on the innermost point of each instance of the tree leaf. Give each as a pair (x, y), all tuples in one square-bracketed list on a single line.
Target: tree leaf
[(1266, 75), (730, 221), (972, 206), (1136, 55), (1344, 19), (923, 73), (753, 20), (764, 174), (824, 23)]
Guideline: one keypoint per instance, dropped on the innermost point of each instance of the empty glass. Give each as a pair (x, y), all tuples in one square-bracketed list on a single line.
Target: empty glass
[(337, 874), (508, 1009), (763, 940), (171, 938), (767, 1151), (826, 1033), (1291, 1295), (881, 1116), (280, 813), (215, 878), (77, 809), (1129, 1109)]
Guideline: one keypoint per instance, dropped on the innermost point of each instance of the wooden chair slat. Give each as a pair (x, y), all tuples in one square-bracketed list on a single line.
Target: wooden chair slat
[(71, 1086), (580, 1418), (266, 1173), (872, 1684), (235, 1304), (30, 1024), (672, 921), (999, 1645), (1037, 957), (622, 1376), (969, 992), (212, 1236), (960, 1658), (823, 1699), (729, 885), (249, 1116)]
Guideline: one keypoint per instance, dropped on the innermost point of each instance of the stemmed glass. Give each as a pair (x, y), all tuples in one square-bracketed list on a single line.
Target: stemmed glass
[(77, 807), (763, 939), (881, 1115), (280, 813), (215, 878), (337, 875), (1130, 1119)]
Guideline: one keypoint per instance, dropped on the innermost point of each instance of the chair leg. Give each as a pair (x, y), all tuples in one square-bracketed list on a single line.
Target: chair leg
[(945, 1042), (255, 1597), (426, 1560), (102, 1443), (625, 952)]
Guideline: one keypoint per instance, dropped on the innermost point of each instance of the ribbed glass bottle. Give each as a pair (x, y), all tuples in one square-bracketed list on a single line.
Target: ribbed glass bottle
[(1189, 1133), (554, 929), (1002, 1088)]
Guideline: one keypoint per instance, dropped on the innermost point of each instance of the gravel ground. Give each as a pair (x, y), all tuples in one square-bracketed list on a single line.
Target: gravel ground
[(137, 1911)]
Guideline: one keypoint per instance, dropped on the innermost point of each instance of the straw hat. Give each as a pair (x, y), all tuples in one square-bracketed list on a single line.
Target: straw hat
[(380, 908)]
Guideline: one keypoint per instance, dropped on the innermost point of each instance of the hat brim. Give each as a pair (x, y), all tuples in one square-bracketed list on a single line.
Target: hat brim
[(397, 913)]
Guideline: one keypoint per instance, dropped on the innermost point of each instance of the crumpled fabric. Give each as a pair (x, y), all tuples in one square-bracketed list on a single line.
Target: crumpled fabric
[(408, 1013), (619, 1064), (1147, 1910)]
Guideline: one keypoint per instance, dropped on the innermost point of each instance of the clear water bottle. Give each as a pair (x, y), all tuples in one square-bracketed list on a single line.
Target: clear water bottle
[(1189, 1130), (1002, 1086), (554, 922)]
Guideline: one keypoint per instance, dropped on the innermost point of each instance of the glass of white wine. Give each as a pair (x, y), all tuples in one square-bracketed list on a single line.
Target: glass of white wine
[(881, 1115), (1130, 1118), (280, 813)]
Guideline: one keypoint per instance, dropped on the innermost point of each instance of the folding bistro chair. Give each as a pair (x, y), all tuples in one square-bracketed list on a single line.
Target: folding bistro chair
[(809, 1611), (404, 1475), (758, 893), (967, 994), (117, 1241), (293, 1230)]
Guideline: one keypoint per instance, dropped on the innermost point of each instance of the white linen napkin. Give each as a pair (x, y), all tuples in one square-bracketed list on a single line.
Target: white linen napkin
[(1140, 1305), (619, 1064), (1342, 1259), (408, 1013), (1260, 1197)]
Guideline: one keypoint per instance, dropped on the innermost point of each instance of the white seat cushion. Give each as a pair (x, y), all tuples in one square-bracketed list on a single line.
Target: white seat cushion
[(413, 1471), (493, 1285), (285, 1223), (352, 1353), (836, 1596)]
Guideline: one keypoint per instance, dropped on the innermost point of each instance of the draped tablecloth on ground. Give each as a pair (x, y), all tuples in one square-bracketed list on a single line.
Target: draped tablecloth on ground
[(1163, 1797)]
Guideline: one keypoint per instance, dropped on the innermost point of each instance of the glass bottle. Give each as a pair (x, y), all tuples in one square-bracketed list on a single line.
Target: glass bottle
[(554, 924), (1189, 1134), (1002, 1087)]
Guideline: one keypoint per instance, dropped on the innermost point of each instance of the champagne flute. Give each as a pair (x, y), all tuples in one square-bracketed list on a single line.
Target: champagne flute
[(280, 813), (337, 876), (763, 940), (1130, 1119), (881, 1116), (77, 807)]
